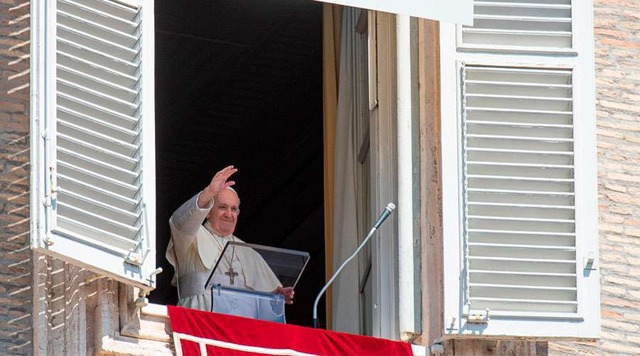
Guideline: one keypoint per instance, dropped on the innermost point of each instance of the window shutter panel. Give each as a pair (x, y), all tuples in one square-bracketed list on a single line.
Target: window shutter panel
[(524, 25), (519, 196), (99, 175), (521, 242)]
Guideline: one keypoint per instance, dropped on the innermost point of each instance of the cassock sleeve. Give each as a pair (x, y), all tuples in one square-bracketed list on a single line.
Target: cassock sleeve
[(184, 224)]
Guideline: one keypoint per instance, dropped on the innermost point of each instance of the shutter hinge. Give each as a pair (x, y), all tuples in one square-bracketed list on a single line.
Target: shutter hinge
[(51, 199), (478, 317)]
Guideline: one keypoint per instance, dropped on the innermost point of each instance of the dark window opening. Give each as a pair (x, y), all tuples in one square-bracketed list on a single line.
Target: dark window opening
[(240, 82)]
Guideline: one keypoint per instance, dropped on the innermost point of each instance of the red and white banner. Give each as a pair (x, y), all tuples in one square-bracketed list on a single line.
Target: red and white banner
[(202, 333)]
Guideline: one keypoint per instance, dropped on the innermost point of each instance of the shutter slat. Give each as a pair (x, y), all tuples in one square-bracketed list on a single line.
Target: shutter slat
[(523, 138), (516, 97), (542, 151), (533, 261), (522, 172), (521, 251), (525, 192), (518, 33), (520, 205), (523, 247), (516, 110), (531, 159), (521, 178), (514, 184), (516, 238), (515, 18), (525, 289), (527, 5), (522, 232), (501, 198), (523, 306), (529, 265), (515, 276), (523, 219), (531, 226), (525, 117)]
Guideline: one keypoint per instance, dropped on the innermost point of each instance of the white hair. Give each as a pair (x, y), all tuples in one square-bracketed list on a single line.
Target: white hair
[(233, 190)]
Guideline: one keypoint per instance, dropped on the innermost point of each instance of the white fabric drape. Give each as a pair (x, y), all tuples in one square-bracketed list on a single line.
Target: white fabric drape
[(346, 306)]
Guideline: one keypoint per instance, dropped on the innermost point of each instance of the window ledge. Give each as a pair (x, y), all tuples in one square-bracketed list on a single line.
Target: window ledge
[(152, 324), (122, 345)]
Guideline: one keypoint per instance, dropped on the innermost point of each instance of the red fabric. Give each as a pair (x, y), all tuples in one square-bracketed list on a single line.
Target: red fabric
[(244, 331)]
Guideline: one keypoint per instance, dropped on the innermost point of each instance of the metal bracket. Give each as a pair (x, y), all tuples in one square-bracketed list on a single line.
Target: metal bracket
[(589, 262), (153, 274), (133, 259), (478, 317)]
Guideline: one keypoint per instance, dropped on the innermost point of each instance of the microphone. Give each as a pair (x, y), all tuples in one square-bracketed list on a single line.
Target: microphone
[(385, 214)]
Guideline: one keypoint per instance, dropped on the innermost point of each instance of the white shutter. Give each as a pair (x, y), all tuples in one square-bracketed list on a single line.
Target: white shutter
[(97, 168), (518, 190), (520, 213), (523, 25)]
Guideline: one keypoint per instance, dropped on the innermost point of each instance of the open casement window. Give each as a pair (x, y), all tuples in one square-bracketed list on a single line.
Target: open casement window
[(94, 121), (519, 172)]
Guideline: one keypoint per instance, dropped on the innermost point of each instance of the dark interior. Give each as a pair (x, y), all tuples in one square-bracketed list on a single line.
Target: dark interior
[(240, 82)]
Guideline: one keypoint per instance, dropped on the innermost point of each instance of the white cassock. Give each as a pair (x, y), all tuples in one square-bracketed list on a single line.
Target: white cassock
[(193, 252)]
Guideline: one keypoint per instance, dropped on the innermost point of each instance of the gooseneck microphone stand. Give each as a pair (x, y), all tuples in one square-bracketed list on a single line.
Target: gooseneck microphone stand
[(385, 214)]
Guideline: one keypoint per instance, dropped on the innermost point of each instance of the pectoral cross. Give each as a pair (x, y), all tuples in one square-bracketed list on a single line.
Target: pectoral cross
[(231, 274)]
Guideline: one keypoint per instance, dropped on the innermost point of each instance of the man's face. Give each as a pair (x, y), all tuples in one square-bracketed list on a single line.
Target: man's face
[(224, 214)]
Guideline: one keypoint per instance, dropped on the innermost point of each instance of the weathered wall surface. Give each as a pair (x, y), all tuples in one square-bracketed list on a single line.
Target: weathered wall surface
[(617, 52), (16, 269)]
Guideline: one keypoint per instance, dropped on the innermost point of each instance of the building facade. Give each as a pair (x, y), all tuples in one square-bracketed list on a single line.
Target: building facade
[(53, 307)]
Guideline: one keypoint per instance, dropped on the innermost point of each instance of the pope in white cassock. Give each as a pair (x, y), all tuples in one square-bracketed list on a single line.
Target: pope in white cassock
[(194, 249)]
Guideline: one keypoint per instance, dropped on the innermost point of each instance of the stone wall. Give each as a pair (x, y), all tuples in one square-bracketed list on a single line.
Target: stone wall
[(617, 52), (16, 268)]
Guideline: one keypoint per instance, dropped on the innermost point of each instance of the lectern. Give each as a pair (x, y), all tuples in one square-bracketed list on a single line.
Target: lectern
[(231, 290)]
